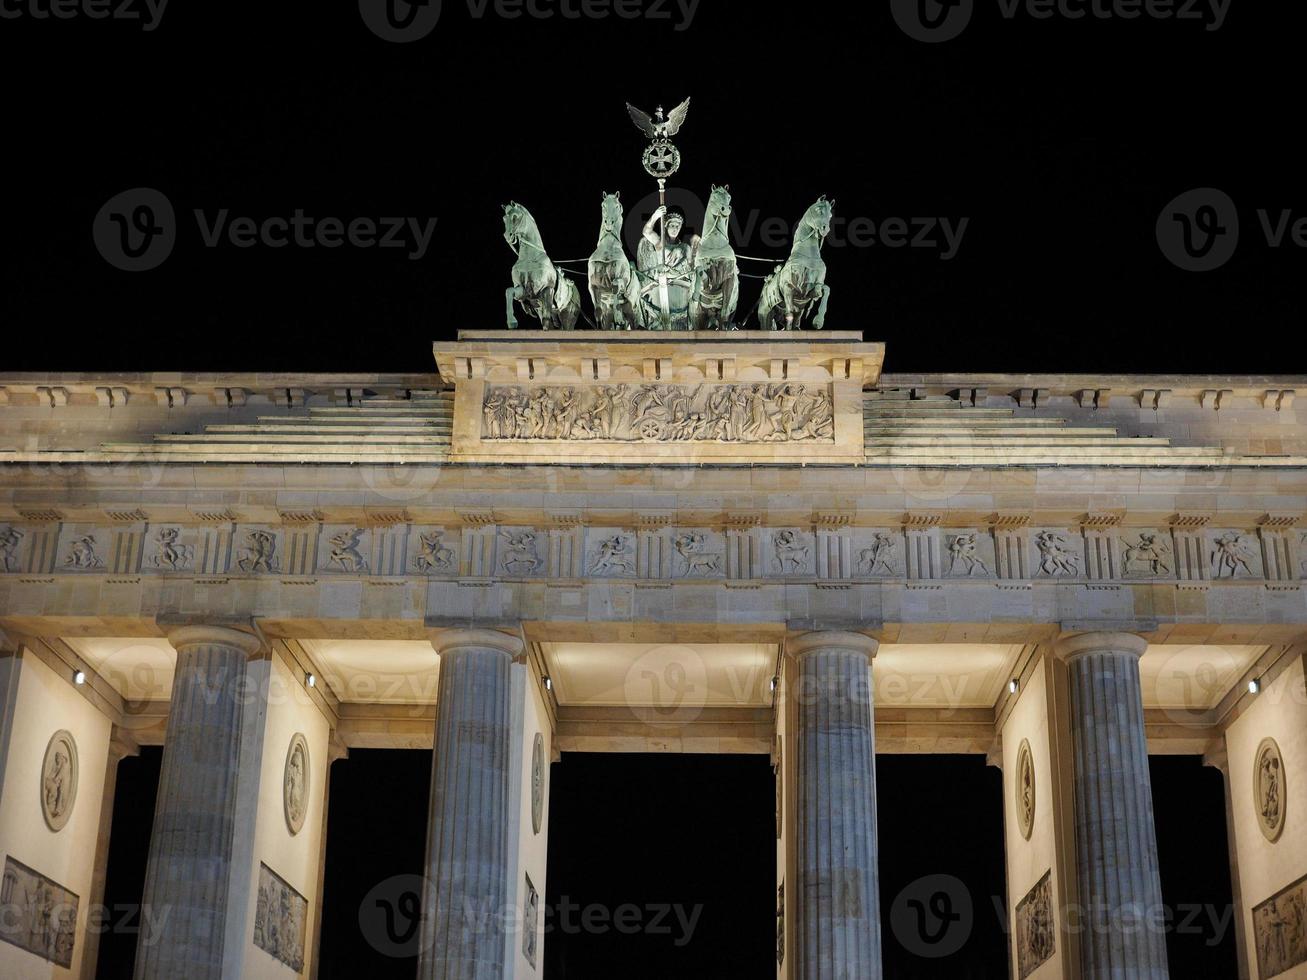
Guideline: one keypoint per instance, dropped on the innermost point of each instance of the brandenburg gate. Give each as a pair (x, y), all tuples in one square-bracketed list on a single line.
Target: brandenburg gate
[(635, 540)]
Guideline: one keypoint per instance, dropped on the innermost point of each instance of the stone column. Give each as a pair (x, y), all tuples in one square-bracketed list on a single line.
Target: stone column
[(467, 839), (1122, 928), (186, 879), (838, 903)]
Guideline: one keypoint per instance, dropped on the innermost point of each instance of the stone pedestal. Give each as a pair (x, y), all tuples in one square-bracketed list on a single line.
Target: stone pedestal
[(1122, 930), (186, 881), (838, 914), (467, 840)]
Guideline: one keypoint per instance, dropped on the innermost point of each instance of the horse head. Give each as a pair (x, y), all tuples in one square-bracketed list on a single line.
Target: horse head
[(517, 222), (718, 213), (818, 218), (611, 216)]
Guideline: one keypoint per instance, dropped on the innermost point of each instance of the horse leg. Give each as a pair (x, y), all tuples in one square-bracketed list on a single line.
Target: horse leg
[(820, 321), (511, 294)]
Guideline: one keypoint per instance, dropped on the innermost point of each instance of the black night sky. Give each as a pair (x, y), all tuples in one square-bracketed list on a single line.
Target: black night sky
[(1060, 141)]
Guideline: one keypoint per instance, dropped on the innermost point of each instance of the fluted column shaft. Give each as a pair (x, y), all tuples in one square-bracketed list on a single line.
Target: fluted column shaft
[(186, 879), (838, 927), (1122, 934), (467, 839)]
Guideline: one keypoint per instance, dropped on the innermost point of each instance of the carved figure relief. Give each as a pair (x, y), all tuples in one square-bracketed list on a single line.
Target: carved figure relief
[(295, 783), (1150, 554), (1036, 934), (1025, 790), (537, 782), (964, 552), (345, 552), (530, 922), (59, 780), (81, 553), (520, 555), (40, 914), (615, 556), (881, 557), (1230, 555), (170, 552), (260, 554), (746, 413), (10, 539), (690, 546), (791, 553), (279, 918), (433, 554), (1280, 930), (1055, 557), (780, 925), (1268, 789)]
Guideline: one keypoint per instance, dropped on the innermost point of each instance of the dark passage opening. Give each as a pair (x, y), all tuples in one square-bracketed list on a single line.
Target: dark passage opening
[(376, 842), (942, 874), (661, 866), (129, 851), (1193, 856)]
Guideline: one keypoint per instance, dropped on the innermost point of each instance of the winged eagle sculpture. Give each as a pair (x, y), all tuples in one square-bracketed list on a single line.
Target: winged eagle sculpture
[(656, 127)]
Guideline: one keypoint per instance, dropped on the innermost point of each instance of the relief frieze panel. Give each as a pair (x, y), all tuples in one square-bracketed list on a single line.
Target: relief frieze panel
[(721, 413)]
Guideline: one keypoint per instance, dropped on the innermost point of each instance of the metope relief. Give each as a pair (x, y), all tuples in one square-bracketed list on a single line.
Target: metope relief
[(1025, 790), (1035, 932), (1268, 789), (279, 919), (612, 555), (519, 551), (726, 413), (791, 552), (698, 554), (1147, 554), (881, 555), (1280, 931), (1056, 554), (10, 539), (1232, 554), (258, 549), (170, 553), (344, 549), (435, 554), (969, 554), (83, 551), (40, 914), (295, 783)]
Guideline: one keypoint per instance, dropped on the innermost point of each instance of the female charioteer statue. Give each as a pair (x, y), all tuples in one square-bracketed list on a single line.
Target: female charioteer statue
[(665, 260)]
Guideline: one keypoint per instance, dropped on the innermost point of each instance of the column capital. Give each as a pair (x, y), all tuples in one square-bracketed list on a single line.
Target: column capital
[(1074, 645), (805, 643), (448, 640), (222, 636)]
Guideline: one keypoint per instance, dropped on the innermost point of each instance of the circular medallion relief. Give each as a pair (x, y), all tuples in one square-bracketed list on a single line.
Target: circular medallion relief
[(1268, 789), (59, 779), (295, 783), (537, 782), (1025, 790)]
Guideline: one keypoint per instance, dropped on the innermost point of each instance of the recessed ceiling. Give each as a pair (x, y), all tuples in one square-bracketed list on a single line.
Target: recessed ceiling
[(942, 675), (377, 671), (1191, 675), (139, 669), (664, 676)]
